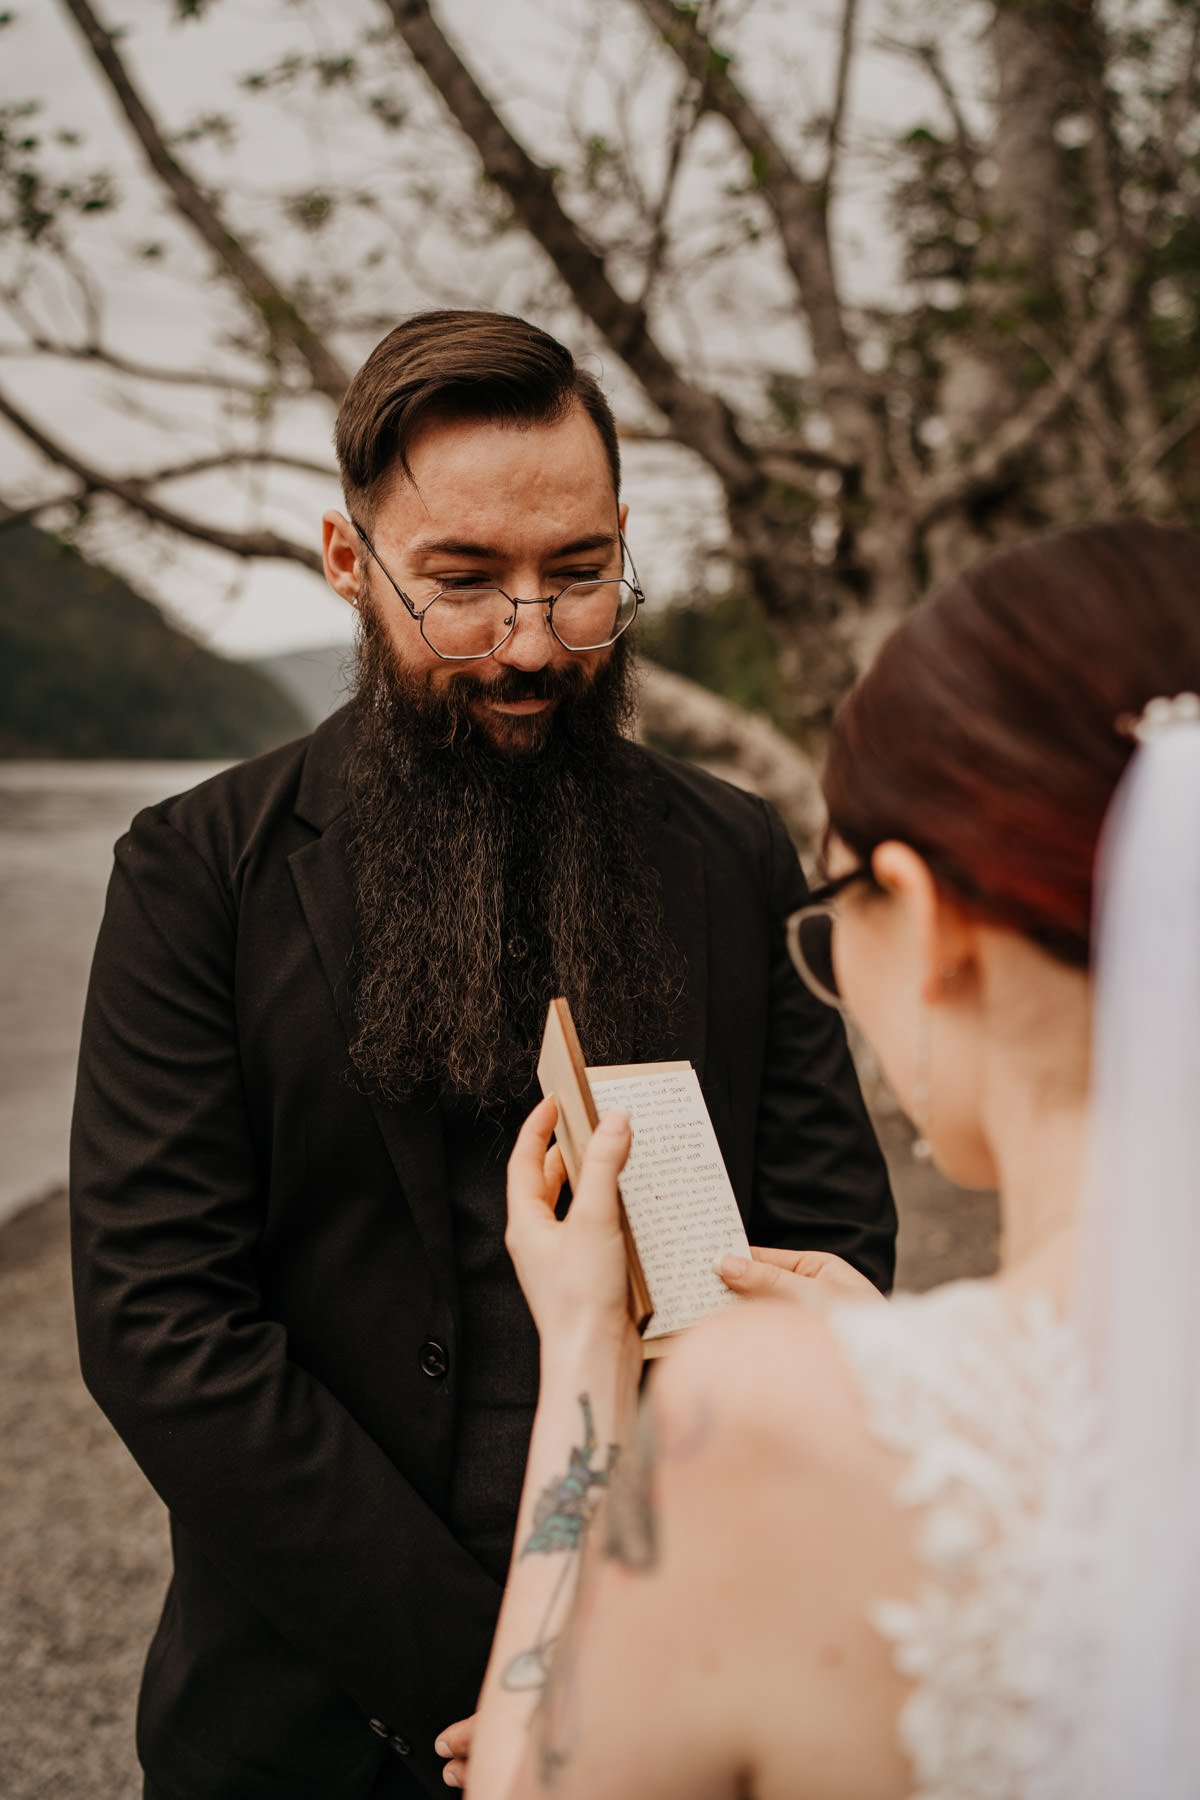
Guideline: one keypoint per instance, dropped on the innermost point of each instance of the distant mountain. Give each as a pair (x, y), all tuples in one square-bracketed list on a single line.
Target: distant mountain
[(89, 667), (317, 679)]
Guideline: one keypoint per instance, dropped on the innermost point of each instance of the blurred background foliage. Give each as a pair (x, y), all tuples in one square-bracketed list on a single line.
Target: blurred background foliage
[(851, 343)]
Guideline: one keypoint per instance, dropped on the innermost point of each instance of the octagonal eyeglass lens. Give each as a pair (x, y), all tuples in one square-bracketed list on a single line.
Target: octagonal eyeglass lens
[(464, 623), (810, 945), (588, 615)]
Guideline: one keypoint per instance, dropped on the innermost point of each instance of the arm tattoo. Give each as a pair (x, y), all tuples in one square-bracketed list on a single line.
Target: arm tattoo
[(565, 1509), (630, 1541), (561, 1521), (561, 1518)]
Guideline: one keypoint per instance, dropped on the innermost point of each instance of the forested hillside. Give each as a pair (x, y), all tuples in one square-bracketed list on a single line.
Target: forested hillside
[(90, 668)]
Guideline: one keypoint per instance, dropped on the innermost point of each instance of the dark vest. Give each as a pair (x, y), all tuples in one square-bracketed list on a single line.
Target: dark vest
[(497, 1366)]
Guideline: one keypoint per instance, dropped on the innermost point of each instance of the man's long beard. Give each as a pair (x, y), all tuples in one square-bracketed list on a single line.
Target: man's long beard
[(486, 880)]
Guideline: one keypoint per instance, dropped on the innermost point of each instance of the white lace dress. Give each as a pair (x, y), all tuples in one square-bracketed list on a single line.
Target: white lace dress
[(988, 1403)]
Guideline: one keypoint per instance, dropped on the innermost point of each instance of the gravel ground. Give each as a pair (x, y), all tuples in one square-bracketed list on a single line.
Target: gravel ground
[(83, 1540)]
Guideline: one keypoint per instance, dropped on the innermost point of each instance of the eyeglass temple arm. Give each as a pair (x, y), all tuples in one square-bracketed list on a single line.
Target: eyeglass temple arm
[(635, 584), (829, 890), (413, 611)]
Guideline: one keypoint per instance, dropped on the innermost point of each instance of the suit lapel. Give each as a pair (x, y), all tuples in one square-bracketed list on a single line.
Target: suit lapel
[(412, 1132), (679, 860)]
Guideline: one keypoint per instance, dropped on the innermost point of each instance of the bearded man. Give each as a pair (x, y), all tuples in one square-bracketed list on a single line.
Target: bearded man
[(311, 1034)]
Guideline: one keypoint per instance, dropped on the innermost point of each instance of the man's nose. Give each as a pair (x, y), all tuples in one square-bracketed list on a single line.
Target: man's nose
[(531, 643)]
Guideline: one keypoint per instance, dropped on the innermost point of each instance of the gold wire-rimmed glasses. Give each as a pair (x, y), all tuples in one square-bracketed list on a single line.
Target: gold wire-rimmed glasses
[(467, 622)]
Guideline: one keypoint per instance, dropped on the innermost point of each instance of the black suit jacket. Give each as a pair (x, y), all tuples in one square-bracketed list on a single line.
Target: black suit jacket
[(265, 1274)]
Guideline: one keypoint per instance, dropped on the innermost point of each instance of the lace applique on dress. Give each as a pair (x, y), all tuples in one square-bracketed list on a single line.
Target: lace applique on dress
[(992, 1410)]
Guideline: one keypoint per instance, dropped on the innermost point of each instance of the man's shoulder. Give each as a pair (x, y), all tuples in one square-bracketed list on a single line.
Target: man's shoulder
[(223, 816), (694, 791), (710, 808)]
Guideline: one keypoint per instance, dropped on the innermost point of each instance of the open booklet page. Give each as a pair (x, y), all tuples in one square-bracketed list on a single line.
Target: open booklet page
[(676, 1191)]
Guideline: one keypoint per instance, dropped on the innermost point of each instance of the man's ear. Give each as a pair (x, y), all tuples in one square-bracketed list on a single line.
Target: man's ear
[(942, 936), (622, 515), (340, 551)]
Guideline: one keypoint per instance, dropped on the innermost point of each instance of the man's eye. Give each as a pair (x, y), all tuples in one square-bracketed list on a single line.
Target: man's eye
[(455, 583), (564, 577)]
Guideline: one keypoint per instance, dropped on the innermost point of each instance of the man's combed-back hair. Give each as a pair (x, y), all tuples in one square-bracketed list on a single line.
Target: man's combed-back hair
[(985, 733), (454, 365)]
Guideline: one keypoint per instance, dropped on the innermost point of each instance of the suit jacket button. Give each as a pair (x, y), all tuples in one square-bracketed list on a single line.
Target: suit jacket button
[(400, 1745), (433, 1360), (379, 1728)]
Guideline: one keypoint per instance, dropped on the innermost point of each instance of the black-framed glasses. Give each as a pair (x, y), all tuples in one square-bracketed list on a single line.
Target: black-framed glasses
[(467, 622), (810, 935)]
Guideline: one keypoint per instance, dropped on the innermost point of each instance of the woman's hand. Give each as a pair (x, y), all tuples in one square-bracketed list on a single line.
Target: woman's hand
[(804, 1275), (572, 1270)]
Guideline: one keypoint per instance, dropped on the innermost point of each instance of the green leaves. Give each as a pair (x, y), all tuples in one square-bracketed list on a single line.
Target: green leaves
[(33, 200), (311, 210), (327, 71), (211, 127)]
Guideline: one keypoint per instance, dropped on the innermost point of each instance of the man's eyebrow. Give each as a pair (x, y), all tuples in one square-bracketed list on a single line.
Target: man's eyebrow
[(596, 540)]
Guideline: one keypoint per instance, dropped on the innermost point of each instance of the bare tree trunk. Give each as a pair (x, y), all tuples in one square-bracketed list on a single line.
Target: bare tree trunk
[(1127, 360), (978, 390)]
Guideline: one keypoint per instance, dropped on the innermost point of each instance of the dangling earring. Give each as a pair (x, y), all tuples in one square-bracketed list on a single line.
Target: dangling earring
[(922, 1099)]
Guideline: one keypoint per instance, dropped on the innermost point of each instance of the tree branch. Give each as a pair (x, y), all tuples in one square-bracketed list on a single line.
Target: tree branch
[(231, 459), (1180, 107), (775, 453), (11, 517), (265, 544), (282, 318), (740, 745), (687, 117), (139, 371), (1134, 479), (1101, 426), (701, 421), (943, 492), (965, 147), (1122, 248), (833, 138), (900, 447), (798, 208)]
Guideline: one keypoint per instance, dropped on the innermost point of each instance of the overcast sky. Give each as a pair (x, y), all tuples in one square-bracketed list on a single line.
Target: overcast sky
[(518, 49)]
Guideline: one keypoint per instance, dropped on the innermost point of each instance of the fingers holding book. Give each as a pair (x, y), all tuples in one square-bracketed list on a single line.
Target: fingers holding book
[(572, 1270), (801, 1275)]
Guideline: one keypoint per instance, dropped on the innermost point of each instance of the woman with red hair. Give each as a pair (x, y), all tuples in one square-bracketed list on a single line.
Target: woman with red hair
[(946, 1547)]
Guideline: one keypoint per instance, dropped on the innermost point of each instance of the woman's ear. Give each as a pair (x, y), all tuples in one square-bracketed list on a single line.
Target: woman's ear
[(942, 937)]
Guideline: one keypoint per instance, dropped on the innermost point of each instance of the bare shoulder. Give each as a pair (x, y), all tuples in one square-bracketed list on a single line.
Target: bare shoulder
[(774, 1376), (757, 1418), (778, 1516)]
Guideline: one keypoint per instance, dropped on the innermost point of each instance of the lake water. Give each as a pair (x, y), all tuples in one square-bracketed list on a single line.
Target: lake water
[(58, 824)]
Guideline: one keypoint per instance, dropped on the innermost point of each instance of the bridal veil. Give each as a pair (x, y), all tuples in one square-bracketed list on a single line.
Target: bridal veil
[(1137, 1291)]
